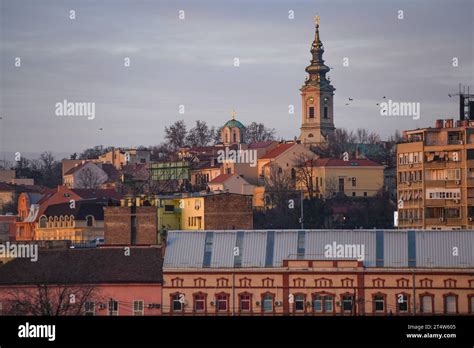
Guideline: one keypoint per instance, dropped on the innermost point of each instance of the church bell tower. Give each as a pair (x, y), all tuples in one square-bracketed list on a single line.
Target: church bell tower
[(317, 98)]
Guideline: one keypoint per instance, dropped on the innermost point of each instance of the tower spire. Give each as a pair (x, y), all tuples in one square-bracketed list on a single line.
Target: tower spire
[(316, 33), (317, 70)]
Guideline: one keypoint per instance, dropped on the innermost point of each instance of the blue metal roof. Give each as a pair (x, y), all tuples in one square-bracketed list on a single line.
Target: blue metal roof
[(268, 248)]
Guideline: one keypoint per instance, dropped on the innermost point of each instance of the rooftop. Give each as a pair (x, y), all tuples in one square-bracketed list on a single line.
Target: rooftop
[(86, 266), (277, 151), (268, 248)]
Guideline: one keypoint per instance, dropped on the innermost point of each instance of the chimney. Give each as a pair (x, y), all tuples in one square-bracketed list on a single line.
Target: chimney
[(439, 124), (448, 123)]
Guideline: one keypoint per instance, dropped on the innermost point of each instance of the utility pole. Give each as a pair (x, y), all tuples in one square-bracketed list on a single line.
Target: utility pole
[(414, 293), (302, 217), (233, 293)]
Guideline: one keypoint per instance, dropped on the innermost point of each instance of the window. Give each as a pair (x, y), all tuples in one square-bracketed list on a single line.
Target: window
[(341, 184), (177, 282), (450, 304), (199, 282), (347, 303), (325, 112), (365, 194), (318, 304), (354, 182), (378, 283), (450, 283), (138, 307), (471, 304), (402, 303), (426, 283), (311, 112), (379, 303), (323, 283), (299, 303), (90, 221), (267, 283), (89, 308), (199, 302), (245, 282), (222, 282), (323, 303), (347, 282), (221, 303), (113, 308), (176, 303), (245, 303), (43, 221), (267, 303), (426, 304), (169, 208), (299, 282)]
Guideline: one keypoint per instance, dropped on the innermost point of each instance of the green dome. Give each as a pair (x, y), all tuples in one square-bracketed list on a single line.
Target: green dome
[(234, 123)]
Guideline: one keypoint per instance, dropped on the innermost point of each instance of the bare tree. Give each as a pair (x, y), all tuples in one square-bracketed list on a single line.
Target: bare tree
[(305, 173), (278, 184), (331, 187), (6, 164), (200, 134), (338, 143), (175, 135), (257, 132), (50, 300), (88, 179)]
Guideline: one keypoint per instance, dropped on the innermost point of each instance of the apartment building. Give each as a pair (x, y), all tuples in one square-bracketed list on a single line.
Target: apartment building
[(435, 176)]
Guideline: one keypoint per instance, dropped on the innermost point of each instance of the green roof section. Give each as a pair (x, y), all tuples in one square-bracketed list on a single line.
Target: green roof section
[(234, 123)]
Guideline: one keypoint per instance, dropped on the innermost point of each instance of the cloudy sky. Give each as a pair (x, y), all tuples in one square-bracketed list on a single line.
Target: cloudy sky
[(190, 62)]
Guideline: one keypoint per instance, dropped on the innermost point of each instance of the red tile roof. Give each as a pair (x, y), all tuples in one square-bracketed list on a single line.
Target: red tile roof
[(75, 168), (337, 162), (97, 193), (277, 151), (221, 178), (261, 144)]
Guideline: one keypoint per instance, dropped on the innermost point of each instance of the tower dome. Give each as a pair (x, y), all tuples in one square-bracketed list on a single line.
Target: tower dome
[(233, 132)]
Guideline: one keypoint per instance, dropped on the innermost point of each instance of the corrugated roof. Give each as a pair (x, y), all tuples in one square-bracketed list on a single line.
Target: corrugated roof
[(382, 248)]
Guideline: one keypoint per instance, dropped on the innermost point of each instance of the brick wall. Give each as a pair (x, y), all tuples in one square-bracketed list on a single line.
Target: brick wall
[(118, 225), (147, 225), (228, 211)]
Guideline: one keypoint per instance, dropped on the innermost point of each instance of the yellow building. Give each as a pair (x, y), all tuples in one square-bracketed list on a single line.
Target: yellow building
[(219, 211), (83, 221), (435, 177), (326, 177)]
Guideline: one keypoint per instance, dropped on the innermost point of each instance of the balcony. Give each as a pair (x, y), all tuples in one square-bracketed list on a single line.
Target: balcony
[(435, 165)]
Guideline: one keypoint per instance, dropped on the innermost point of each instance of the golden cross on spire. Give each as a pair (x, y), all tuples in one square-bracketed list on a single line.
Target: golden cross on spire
[(233, 113), (316, 20)]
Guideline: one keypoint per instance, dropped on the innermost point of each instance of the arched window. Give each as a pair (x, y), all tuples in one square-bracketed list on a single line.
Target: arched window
[(43, 221), (235, 136), (310, 135)]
